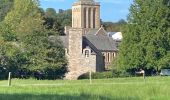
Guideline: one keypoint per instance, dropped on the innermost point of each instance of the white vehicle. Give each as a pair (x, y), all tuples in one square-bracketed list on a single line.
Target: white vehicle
[(165, 72)]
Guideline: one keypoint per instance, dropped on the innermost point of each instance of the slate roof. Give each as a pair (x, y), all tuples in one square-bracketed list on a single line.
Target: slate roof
[(94, 31), (102, 43)]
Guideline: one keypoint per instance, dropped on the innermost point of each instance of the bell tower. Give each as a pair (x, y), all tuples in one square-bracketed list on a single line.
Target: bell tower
[(86, 14), (85, 17)]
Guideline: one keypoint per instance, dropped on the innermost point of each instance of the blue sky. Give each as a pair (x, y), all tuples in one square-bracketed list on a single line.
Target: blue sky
[(111, 10)]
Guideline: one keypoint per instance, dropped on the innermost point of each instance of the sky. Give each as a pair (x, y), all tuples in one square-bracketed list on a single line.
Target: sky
[(111, 10)]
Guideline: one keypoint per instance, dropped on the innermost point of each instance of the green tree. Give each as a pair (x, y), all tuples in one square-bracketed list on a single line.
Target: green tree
[(24, 18), (12, 58), (50, 13), (146, 37), (65, 18), (55, 22), (114, 27), (23, 27), (5, 7)]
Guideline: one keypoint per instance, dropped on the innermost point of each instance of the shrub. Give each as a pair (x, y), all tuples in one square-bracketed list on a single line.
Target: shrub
[(98, 75), (107, 74)]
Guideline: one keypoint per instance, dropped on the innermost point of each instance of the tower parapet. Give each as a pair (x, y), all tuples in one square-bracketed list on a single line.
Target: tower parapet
[(86, 14), (86, 2)]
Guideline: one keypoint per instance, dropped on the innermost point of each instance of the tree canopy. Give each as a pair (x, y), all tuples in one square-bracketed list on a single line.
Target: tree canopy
[(5, 7), (55, 22), (114, 26), (146, 37), (25, 42)]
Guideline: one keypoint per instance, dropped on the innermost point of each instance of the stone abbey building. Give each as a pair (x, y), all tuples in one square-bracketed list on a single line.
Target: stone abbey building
[(88, 46)]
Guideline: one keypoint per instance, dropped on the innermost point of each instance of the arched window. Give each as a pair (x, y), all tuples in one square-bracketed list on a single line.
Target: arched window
[(113, 55), (84, 17), (86, 53), (94, 19)]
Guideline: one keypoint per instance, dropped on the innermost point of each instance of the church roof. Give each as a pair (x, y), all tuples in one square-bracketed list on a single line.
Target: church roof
[(102, 43), (96, 38)]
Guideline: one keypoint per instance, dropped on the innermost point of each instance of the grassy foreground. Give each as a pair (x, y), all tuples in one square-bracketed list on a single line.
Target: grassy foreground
[(153, 88)]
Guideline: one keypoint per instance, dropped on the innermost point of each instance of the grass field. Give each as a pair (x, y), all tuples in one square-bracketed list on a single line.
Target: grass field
[(153, 88)]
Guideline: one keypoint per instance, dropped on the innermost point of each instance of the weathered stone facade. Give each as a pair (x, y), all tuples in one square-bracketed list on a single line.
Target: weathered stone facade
[(86, 14), (78, 61), (87, 42)]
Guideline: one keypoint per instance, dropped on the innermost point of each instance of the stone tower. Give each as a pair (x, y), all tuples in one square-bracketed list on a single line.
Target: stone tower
[(86, 14), (85, 17)]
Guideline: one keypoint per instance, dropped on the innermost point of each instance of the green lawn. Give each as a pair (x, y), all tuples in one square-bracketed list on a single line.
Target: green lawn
[(153, 88)]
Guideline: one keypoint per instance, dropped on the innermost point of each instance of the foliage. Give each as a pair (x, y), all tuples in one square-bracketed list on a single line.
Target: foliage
[(98, 75), (5, 7), (11, 57), (24, 18), (114, 27), (23, 29), (55, 22), (6, 33), (146, 37)]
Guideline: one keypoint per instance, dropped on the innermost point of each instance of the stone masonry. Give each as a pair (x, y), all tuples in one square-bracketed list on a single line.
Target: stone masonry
[(87, 41), (85, 16)]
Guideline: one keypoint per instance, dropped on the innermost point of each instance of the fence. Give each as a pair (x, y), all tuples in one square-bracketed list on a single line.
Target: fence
[(34, 82)]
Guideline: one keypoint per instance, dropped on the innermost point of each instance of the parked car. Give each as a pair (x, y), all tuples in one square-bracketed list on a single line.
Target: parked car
[(165, 72)]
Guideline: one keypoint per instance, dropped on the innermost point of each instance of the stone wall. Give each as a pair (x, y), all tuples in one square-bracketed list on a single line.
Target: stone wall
[(75, 47), (86, 15), (109, 57), (78, 63)]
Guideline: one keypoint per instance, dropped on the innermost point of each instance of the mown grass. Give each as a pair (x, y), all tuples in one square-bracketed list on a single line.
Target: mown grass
[(153, 88)]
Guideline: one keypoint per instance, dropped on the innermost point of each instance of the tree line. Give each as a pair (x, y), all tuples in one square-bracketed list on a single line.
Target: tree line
[(26, 49), (146, 37)]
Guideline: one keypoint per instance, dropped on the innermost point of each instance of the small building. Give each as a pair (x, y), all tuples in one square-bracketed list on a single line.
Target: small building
[(117, 36)]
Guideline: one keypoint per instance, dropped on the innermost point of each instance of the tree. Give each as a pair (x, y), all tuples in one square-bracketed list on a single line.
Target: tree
[(55, 22), (114, 27), (50, 13), (12, 58), (5, 7), (146, 37), (24, 18), (23, 27)]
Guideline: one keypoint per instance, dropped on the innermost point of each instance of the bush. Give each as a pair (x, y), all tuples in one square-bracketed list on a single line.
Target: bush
[(3, 74), (104, 75), (98, 75)]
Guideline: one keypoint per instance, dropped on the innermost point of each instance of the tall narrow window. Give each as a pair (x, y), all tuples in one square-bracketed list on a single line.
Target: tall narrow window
[(87, 53), (84, 17), (89, 18), (94, 19), (108, 57), (113, 55)]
